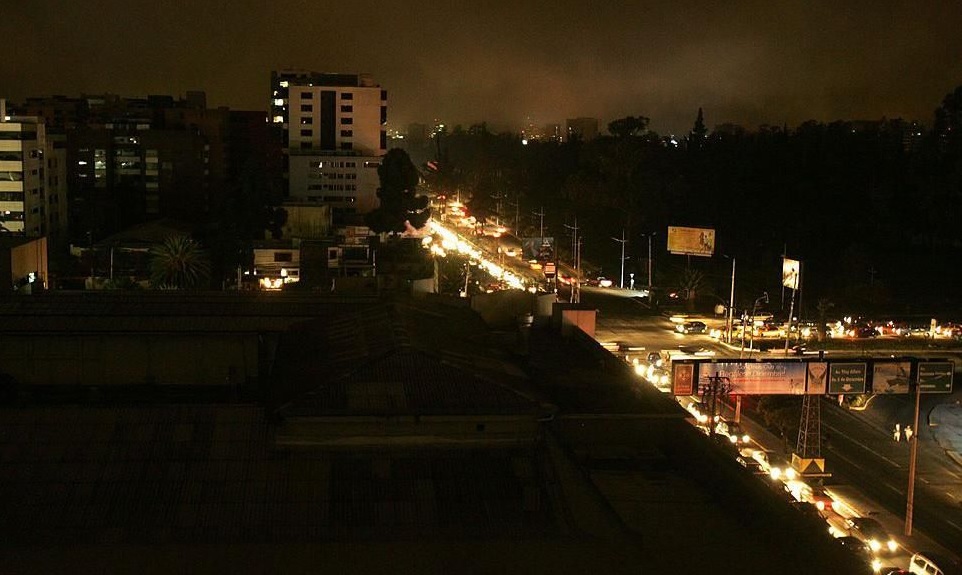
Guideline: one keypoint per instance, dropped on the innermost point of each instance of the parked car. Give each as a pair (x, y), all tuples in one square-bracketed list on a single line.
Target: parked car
[(691, 327)]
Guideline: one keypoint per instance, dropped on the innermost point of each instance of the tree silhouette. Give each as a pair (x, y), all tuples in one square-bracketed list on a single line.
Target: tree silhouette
[(400, 206), (628, 126), (698, 131), (179, 263)]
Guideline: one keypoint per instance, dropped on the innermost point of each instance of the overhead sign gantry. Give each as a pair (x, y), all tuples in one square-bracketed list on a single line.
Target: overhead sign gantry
[(797, 376)]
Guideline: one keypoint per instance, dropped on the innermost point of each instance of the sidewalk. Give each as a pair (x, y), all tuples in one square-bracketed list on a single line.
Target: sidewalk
[(945, 424)]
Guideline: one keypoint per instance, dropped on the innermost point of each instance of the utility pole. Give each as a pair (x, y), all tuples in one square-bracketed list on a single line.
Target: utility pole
[(540, 214), (731, 304), (649, 262), (913, 455), (710, 391), (623, 241), (576, 257)]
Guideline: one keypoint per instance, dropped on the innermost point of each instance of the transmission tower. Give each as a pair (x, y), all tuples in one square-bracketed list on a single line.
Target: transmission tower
[(809, 444)]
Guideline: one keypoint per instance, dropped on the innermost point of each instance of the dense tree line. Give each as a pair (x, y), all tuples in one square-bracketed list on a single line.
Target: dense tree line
[(872, 209)]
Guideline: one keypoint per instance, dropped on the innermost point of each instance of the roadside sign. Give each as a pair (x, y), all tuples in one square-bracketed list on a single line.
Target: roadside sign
[(935, 376), (683, 378), (891, 376), (846, 378), (550, 268)]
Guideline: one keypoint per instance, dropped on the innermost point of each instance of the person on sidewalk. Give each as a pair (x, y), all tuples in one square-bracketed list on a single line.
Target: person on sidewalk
[(897, 433), (908, 433)]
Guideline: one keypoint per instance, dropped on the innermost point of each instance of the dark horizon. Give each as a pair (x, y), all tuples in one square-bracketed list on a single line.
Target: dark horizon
[(504, 63)]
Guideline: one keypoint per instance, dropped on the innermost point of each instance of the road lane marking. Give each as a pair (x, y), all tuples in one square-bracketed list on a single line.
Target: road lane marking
[(863, 446)]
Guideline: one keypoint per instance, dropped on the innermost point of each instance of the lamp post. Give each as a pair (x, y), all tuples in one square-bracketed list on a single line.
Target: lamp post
[(759, 299), (731, 304), (623, 241), (913, 454)]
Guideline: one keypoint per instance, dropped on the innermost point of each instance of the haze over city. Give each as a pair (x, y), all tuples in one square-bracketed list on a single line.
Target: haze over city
[(505, 62)]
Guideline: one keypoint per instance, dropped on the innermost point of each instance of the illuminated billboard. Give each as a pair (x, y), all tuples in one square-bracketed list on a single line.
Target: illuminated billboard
[(812, 377), (691, 241), (757, 378), (790, 272)]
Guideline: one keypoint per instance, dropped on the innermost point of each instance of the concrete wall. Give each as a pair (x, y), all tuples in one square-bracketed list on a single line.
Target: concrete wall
[(131, 358)]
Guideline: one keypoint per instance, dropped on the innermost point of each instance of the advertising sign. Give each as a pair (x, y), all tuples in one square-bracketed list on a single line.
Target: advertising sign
[(891, 376), (817, 378), (847, 377), (790, 272), (550, 269), (758, 378), (683, 379), (935, 376), (538, 248), (691, 241)]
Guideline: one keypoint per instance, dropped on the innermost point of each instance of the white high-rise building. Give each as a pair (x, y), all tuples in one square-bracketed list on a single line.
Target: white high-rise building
[(33, 198), (332, 129)]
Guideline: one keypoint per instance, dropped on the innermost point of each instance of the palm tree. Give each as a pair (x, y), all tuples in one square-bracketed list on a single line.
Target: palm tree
[(179, 263)]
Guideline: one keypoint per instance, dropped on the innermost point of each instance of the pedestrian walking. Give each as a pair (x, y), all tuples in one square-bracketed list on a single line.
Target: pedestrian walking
[(908, 433), (898, 432)]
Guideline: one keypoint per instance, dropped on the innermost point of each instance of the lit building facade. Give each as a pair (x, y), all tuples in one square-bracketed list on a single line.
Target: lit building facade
[(332, 129), (32, 179)]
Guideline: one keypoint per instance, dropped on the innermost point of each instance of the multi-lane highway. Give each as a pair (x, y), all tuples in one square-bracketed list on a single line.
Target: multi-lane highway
[(862, 455)]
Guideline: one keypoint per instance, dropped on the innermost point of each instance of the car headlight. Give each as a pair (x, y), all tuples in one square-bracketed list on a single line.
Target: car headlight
[(733, 439), (746, 438), (775, 473), (876, 565), (892, 545), (820, 505), (875, 545), (790, 473)]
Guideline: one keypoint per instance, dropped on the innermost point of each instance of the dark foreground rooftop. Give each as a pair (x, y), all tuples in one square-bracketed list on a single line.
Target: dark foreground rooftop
[(405, 438)]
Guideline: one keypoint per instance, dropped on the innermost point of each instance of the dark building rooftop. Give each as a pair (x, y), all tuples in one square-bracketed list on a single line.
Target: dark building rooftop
[(400, 437)]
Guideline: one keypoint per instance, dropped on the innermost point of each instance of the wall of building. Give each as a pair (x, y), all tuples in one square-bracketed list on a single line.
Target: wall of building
[(95, 359)]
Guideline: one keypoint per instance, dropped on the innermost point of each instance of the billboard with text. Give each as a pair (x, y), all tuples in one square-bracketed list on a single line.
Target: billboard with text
[(691, 241), (887, 376), (757, 378)]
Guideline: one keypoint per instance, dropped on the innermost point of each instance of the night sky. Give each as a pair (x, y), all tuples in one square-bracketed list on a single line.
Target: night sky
[(749, 62)]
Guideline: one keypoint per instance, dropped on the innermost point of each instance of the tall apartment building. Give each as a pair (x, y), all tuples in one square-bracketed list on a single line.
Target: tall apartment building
[(133, 160), (33, 198), (583, 128), (332, 128)]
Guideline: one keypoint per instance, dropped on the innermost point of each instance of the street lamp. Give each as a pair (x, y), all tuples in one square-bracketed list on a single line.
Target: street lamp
[(760, 299), (731, 304), (623, 241)]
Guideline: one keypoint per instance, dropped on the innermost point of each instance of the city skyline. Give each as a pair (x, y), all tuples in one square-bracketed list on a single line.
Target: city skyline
[(757, 63)]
